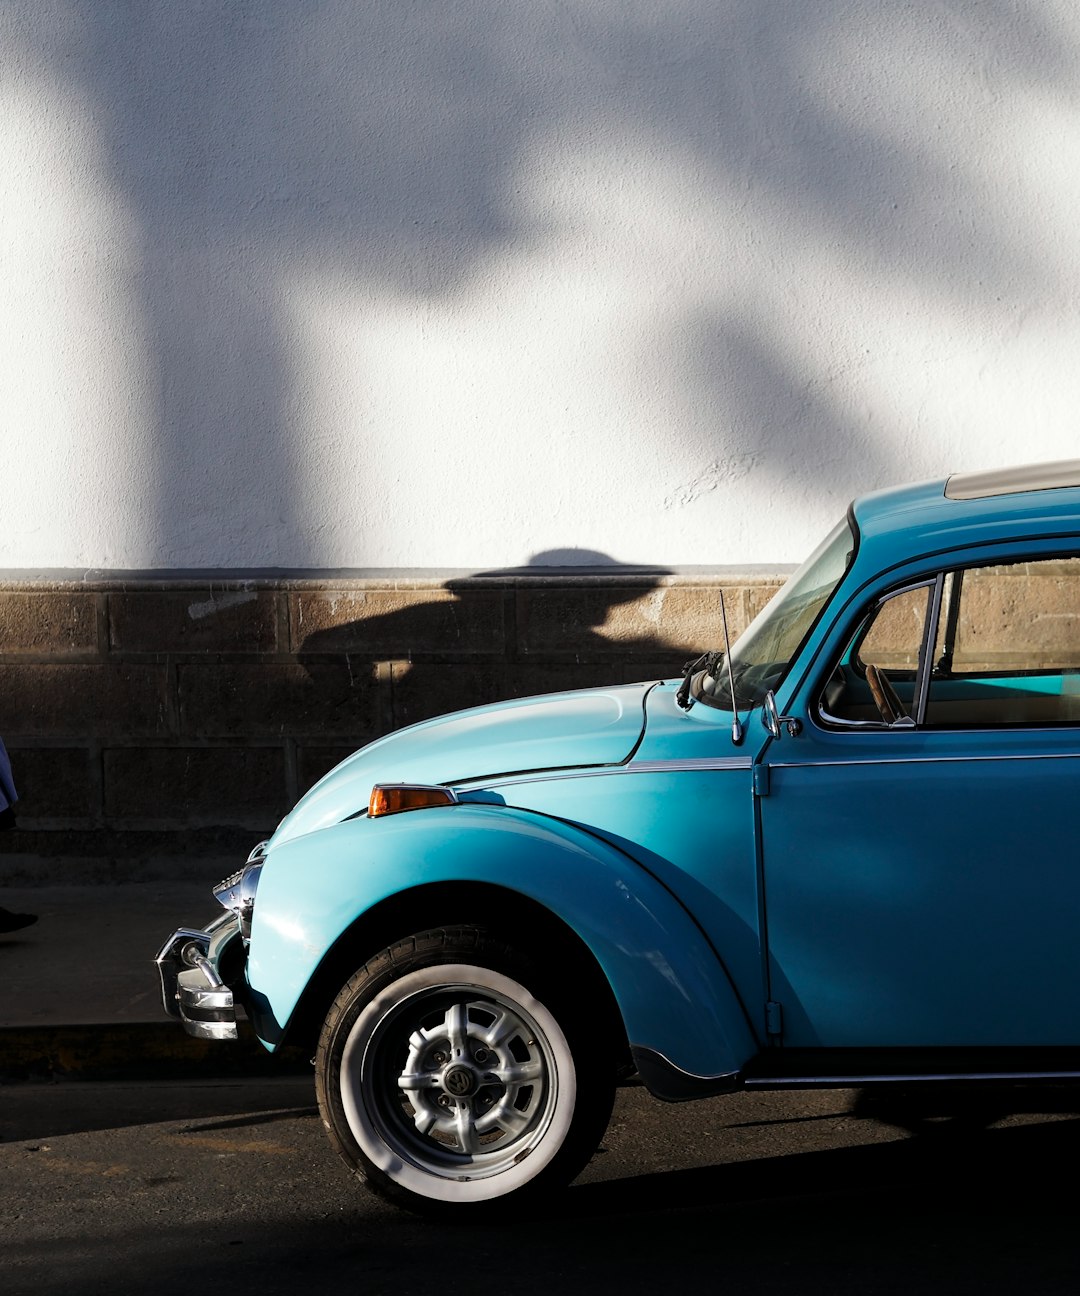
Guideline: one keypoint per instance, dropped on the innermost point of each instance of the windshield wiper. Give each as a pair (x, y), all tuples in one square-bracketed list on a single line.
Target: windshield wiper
[(709, 660)]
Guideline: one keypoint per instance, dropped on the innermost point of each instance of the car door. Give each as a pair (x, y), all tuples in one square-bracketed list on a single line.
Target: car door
[(921, 877)]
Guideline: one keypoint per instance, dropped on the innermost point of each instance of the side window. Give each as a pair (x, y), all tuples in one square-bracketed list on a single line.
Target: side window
[(894, 637), (876, 680), (1007, 648)]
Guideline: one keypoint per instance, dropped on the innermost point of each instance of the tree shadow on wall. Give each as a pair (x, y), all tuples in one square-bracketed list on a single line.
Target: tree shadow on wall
[(307, 203), (569, 619)]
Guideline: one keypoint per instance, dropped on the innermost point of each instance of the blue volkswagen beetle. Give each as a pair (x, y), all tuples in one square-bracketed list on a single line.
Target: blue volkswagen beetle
[(834, 852)]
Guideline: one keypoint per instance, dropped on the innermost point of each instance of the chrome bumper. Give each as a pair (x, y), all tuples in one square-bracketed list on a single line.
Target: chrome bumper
[(191, 988)]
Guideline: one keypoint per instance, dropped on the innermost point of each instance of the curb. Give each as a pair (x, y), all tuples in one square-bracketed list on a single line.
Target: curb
[(136, 1051)]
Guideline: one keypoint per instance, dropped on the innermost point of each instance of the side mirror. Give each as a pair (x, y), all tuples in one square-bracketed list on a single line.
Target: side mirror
[(772, 719)]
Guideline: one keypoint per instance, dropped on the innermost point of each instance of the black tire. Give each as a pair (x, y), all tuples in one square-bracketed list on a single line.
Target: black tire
[(450, 1081)]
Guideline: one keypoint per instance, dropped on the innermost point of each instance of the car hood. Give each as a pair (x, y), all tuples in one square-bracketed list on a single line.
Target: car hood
[(560, 731)]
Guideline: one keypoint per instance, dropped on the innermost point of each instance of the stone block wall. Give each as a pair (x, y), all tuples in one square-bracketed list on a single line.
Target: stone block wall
[(179, 716)]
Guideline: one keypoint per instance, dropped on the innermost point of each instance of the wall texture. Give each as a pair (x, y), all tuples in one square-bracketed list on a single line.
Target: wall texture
[(157, 722), (415, 284)]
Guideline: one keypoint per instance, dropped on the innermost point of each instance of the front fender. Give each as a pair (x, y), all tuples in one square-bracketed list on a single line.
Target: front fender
[(675, 997)]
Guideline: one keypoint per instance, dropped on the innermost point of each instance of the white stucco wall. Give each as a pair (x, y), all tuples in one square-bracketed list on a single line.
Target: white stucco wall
[(463, 282)]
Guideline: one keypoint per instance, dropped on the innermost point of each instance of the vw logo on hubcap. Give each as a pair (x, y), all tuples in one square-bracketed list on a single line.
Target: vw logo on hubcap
[(459, 1082)]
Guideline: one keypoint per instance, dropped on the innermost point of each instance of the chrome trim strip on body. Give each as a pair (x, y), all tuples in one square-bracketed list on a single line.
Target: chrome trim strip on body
[(926, 760), (934, 1077), (688, 765)]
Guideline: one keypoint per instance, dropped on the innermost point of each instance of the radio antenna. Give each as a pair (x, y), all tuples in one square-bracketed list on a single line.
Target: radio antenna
[(736, 726)]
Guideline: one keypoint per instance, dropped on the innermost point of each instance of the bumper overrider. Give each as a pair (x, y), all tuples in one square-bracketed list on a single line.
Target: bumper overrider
[(202, 969)]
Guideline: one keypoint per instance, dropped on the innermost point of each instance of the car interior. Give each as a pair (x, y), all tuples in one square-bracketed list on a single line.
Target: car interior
[(1003, 645)]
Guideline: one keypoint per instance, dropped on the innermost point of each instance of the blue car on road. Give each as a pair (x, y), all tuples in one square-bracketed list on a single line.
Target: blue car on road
[(837, 851)]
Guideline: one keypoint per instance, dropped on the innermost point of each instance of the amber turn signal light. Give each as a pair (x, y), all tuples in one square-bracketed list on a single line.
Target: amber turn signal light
[(390, 798)]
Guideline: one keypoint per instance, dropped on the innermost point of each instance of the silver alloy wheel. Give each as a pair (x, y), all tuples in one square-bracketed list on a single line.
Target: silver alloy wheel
[(457, 1083)]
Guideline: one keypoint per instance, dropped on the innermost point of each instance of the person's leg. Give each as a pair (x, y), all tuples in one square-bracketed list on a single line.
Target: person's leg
[(9, 921)]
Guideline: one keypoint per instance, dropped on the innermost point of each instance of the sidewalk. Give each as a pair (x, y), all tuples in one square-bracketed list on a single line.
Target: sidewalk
[(79, 993)]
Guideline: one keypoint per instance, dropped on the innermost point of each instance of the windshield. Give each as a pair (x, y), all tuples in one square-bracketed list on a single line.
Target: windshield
[(762, 653)]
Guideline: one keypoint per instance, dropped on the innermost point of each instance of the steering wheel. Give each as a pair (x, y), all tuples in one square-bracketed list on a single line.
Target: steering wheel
[(885, 696)]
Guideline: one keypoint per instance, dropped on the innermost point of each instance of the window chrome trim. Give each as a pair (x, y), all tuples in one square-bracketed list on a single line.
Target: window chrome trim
[(926, 651), (856, 643), (824, 719)]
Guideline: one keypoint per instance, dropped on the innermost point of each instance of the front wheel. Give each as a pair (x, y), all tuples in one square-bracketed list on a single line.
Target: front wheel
[(447, 1077)]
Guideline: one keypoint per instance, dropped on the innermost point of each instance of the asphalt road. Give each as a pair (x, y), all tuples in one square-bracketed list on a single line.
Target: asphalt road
[(231, 1187)]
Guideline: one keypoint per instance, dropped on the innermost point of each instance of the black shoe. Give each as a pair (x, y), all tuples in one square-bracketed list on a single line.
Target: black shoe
[(10, 922)]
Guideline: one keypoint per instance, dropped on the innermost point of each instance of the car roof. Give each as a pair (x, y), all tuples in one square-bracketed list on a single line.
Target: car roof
[(971, 508), (1013, 481)]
